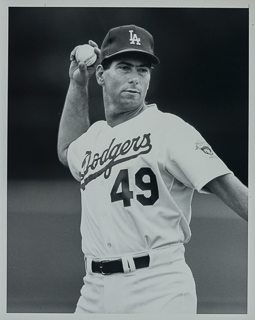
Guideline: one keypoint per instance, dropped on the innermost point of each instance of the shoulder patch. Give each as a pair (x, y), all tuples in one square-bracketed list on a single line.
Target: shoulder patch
[(204, 146)]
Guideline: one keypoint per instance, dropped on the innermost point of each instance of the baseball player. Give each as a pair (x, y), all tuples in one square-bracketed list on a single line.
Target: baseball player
[(137, 172)]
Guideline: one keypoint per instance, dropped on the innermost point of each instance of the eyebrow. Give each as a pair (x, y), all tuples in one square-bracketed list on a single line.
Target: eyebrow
[(132, 65)]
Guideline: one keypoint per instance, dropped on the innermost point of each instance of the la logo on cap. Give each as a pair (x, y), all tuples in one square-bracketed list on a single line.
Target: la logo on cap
[(133, 38), (128, 38)]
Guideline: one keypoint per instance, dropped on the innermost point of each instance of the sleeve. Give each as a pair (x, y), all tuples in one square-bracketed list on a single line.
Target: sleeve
[(74, 157), (77, 149), (190, 159)]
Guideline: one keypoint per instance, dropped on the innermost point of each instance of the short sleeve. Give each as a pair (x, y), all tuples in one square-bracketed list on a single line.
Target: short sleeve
[(77, 149), (74, 157), (190, 159)]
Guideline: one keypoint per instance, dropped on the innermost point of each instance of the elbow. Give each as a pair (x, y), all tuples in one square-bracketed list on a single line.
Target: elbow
[(62, 156), (63, 161)]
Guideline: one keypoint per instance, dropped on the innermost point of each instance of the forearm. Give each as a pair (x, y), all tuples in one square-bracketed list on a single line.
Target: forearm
[(74, 119), (232, 192)]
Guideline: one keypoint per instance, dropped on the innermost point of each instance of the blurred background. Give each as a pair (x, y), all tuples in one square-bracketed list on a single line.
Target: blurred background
[(203, 78)]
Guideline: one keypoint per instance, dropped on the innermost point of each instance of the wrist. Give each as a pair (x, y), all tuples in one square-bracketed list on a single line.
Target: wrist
[(75, 86)]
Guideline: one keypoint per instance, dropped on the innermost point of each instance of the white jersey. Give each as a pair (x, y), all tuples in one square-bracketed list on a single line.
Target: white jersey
[(137, 181)]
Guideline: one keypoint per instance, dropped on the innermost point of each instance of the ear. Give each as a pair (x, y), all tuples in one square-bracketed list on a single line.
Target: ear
[(148, 86), (99, 74)]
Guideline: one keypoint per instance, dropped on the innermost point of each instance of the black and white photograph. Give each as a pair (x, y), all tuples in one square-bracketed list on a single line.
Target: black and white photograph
[(127, 159)]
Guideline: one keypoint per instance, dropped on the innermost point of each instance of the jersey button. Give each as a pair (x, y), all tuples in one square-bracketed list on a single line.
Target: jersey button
[(109, 245)]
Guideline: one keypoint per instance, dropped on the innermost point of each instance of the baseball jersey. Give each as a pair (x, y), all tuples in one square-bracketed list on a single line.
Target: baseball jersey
[(137, 180)]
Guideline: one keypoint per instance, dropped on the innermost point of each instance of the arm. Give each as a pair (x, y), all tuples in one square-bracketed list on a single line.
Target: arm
[(232, 192), (75, 116)]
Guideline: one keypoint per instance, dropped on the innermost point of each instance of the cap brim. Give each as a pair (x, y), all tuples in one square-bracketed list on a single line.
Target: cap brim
[(152, 57)]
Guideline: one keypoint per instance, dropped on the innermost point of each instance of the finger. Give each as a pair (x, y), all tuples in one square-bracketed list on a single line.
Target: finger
[(97, 51), (74, 63), (93, 44), (72, 54)]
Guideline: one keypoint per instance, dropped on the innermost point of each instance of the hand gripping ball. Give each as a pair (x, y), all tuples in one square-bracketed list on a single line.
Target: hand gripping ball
[(85, 53)]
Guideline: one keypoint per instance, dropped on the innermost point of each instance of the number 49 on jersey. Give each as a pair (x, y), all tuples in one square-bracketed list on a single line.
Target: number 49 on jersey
[(125, 195)]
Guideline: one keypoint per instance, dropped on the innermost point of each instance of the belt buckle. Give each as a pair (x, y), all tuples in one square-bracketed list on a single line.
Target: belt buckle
[(102, 264)]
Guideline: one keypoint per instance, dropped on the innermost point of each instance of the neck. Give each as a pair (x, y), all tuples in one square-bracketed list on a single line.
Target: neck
[(115, 118)]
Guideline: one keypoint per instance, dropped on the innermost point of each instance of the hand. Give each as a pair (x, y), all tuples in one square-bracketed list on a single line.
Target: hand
[(79, 72)]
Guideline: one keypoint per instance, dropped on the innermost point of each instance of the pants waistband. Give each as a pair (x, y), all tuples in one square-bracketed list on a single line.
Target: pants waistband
[(129, 263)]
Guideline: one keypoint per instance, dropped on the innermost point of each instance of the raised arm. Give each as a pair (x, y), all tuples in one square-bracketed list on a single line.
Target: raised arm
[(75, 116), (232, 192)]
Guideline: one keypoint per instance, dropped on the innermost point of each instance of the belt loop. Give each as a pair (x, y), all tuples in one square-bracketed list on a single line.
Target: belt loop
[(128, 264), (89, 265)]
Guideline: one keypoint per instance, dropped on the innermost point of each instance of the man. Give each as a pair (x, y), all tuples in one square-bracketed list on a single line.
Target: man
[(137, 171)]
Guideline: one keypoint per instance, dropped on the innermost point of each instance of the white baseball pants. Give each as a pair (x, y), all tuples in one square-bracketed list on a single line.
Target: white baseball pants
[(166, 286)]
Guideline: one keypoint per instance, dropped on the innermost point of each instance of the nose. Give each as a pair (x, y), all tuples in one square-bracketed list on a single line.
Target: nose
[(134, 77)]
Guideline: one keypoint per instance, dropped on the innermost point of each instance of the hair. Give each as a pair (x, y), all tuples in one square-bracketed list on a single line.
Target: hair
[(106, 63)]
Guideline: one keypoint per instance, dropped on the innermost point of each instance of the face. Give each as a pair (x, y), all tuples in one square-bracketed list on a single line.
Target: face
[(126, 81)]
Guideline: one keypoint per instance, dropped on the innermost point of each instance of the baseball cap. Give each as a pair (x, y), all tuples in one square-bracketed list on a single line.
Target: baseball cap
[(128, 38)]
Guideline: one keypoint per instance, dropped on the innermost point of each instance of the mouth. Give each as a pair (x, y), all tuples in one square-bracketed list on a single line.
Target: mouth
[(133, 91)]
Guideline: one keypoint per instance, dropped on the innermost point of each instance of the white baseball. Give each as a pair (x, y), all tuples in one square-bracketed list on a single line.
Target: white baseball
[(85, 53)]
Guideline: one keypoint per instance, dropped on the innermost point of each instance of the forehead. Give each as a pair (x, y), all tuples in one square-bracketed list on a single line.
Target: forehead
[(135, 58)]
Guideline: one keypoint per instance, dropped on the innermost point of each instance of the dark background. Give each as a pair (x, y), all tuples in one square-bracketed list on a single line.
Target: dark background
[(202, 77)]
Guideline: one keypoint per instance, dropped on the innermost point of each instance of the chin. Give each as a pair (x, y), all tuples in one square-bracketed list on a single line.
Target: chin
[(133, 105)]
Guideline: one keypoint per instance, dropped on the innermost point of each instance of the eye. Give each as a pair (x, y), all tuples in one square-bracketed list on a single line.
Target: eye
[(143, 70), (124, 68)]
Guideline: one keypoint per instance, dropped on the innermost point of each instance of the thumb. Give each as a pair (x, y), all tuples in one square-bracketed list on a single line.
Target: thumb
[(81, 74), (82, 66)]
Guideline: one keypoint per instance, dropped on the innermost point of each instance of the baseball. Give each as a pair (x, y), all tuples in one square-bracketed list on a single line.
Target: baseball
[(85, 53)]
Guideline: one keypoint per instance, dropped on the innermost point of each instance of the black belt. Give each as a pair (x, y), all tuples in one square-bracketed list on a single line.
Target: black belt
[(107, 267)]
